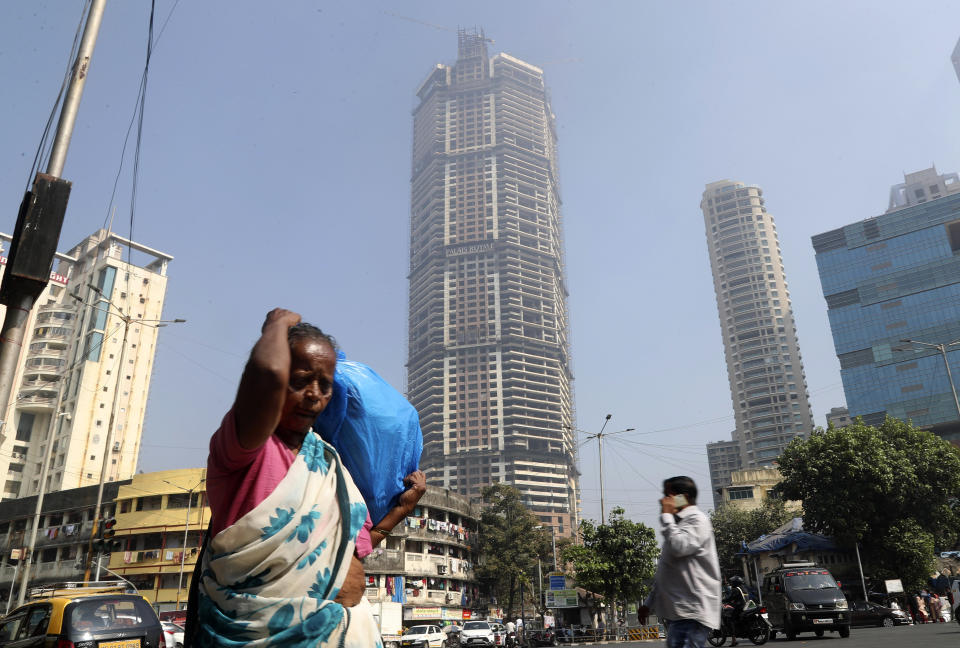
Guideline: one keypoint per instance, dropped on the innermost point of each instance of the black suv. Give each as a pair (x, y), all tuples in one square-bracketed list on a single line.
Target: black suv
[(803, 597)]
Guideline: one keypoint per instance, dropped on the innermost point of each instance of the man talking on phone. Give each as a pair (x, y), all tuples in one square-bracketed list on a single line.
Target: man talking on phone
[(686, 587)]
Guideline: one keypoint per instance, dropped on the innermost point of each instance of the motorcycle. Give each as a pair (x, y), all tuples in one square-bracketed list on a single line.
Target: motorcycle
[(752, 624), (511, 640)]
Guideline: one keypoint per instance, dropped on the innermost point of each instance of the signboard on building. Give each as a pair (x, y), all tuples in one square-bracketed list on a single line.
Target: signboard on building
[(562, 598), (15, 554), (425, 613), (467, 615), (558, 581), (459, 250), (451, 614)]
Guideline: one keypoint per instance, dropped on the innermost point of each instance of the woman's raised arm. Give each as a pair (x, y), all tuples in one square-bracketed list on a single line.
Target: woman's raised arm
[(263, 387)]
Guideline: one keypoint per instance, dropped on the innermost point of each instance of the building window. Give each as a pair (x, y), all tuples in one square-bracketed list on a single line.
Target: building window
[(25, 426), (740, 492), (152, 503), (953, 232)]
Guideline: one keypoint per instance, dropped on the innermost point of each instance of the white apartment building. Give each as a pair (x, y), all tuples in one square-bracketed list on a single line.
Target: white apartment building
[(764, 366), (70, 378)]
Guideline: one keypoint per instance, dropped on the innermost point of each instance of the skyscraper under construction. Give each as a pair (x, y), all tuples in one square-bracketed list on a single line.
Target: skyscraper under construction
[(488, 365)]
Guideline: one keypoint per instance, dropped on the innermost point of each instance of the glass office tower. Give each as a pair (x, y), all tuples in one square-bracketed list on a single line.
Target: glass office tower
[(892, 286)]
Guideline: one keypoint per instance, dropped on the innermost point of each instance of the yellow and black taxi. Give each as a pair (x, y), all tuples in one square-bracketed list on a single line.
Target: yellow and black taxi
[(82, 618)]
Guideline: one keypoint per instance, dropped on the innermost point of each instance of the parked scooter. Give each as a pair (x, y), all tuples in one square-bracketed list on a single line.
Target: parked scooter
[(752, 624)]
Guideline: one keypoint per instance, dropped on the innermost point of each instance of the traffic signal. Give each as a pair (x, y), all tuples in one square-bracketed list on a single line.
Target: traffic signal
[(107, 532), (104, 542)]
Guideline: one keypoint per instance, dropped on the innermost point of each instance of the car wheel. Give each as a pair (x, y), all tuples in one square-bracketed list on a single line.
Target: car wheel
[(845, 632), (819, 633), (887, 622)]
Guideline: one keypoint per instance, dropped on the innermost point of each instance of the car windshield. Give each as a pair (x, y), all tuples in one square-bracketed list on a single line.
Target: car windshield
[(476, 625), (810, 581), (417, 630), (101, 614)]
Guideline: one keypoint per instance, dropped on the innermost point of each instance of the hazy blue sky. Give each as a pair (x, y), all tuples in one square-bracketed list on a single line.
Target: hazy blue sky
[(276, 162)]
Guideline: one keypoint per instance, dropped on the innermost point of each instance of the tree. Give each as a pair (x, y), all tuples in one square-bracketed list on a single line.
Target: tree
[(893, 489), (509, 544), (733, 525), (617, 559)]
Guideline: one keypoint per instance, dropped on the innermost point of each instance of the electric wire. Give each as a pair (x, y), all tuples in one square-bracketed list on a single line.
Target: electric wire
[(43, 148), (139, 141), (141, 90)]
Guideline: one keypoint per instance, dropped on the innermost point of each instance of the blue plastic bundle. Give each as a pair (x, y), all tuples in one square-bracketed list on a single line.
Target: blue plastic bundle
[(375, 430)]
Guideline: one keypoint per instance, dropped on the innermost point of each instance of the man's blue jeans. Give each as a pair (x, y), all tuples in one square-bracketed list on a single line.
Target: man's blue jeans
[(686, 633)]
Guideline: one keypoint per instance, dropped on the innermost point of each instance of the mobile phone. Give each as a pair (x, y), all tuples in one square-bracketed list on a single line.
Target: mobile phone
[(680, 501)]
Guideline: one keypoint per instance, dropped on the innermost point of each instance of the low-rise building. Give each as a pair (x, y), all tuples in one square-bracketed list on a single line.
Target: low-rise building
[(161, 519), (427, 563), (749, 489), (63, 537)]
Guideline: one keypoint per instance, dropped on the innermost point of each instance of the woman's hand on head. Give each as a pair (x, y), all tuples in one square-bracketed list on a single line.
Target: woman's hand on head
[(416, 483), (282, 316)]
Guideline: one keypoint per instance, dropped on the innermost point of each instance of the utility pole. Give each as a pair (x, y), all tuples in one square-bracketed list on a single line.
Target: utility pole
[(37, 231), (48, 451), (599, 437)]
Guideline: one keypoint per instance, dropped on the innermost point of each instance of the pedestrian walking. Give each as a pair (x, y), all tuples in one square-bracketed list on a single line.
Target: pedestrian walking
[(686, 587)]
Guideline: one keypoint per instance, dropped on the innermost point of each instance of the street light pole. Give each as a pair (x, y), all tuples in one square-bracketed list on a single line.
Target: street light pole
[(108, 448), (942, 348), (186, 530)]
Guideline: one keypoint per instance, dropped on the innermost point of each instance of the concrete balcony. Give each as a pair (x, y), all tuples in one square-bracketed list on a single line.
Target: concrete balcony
[(428, 535), (37, 401), (389, 561)]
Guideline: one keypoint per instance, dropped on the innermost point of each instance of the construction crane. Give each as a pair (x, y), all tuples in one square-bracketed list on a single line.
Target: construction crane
[(440, 27)]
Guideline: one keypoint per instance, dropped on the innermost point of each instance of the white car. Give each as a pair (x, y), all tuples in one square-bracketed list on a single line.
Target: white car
[(172, 634), (477, 633), (424, 636)]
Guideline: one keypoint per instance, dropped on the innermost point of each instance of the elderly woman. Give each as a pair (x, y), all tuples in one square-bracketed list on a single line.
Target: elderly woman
[(280, 568)]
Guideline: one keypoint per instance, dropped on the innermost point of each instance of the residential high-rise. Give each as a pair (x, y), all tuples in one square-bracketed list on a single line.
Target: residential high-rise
[(488, 357), (723, 459), (892, 286), (69, 375), (838, 417), (767, 383)]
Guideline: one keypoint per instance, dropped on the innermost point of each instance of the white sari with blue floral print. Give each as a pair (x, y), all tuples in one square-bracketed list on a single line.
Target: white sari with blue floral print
[(271, 577)]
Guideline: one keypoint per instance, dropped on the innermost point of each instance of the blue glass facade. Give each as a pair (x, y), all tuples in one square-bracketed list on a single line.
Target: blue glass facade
[(886, 279)]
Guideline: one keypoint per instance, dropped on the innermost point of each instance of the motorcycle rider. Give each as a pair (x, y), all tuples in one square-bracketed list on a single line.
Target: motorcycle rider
[(737, 599)]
